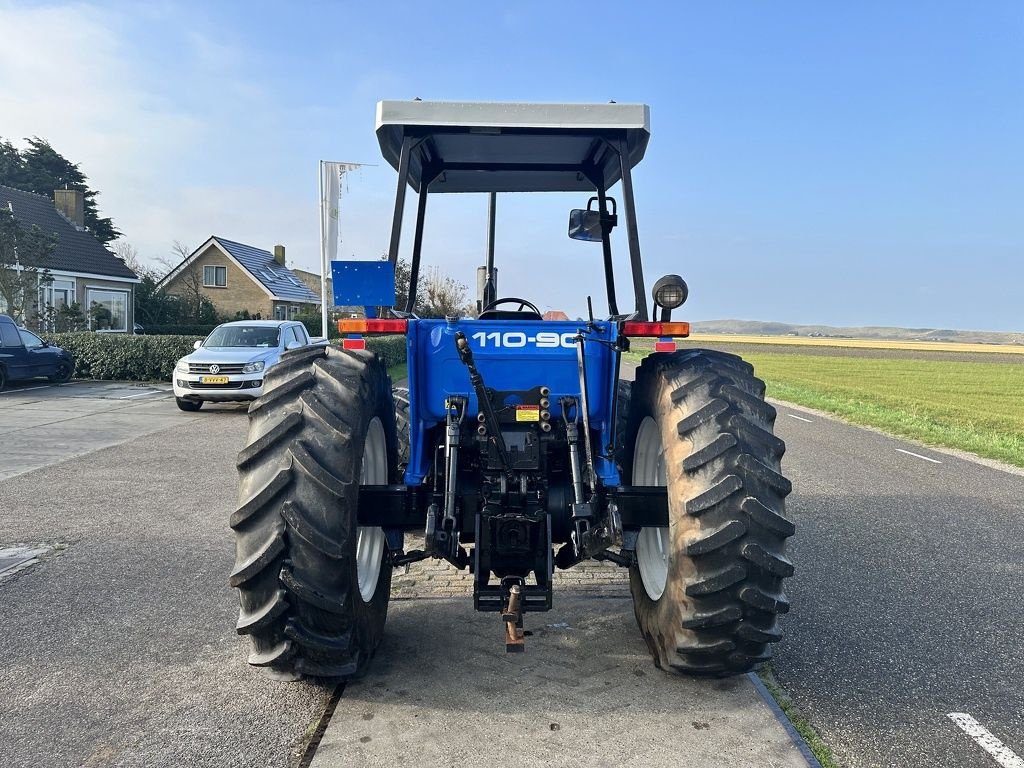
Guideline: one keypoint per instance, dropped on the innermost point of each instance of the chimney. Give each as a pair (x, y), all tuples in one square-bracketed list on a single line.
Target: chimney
[(279, 254), (71, 205)]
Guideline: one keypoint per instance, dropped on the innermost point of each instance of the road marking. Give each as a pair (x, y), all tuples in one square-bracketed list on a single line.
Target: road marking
[(141, 394), (26, 389), (919, 456), (1001, 753), (800, 418)]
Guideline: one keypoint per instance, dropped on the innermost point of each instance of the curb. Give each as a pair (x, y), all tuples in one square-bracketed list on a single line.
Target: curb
[(798, 740)]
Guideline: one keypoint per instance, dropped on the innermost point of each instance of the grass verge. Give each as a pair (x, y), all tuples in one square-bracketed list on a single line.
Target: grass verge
[(802, 725), (398, 373), (971, 406)]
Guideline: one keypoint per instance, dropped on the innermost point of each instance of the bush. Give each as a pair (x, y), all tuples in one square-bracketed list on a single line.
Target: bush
[(178, 330), (152, 358), (123, 357), (391, 349)]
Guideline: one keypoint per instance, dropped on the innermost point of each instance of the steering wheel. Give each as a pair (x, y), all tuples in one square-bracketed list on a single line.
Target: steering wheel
[(523, 304)]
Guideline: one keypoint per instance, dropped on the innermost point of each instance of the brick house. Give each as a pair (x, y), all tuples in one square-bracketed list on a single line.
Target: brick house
[(240, 278), (81, 270)]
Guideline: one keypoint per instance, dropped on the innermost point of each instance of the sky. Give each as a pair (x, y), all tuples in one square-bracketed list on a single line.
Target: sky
[(834, 163)]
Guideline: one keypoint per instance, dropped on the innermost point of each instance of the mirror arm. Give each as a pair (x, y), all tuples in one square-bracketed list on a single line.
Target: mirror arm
[(606, 246)]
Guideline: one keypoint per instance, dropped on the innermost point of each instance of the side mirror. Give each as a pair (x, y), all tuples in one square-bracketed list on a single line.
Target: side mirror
[(198, 344), (292, 345), (585, 225)]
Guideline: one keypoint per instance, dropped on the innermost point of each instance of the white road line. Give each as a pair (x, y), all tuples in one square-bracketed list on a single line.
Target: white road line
[(800, 418), (1001, 753), (919, 456), (140, 394), (26, 389)]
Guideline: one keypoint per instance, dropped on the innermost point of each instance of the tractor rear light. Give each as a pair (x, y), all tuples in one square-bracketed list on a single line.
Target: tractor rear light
[(656, 329), (372, 325), (353, 343)]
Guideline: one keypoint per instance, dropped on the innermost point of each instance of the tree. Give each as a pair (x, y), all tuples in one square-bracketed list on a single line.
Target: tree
[(23, 257), (42, 169), (441, 295)]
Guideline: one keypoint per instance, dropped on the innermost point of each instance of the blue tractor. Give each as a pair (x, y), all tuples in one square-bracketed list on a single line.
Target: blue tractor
[(516, 447)]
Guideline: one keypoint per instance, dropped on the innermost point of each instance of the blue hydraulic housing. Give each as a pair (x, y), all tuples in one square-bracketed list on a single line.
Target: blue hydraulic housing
[(511, 355)]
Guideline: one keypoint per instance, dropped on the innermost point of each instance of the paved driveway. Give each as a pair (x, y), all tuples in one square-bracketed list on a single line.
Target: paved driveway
[(42, 424)]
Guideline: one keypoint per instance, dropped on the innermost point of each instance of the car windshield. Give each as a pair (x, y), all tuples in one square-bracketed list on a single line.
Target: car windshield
[(242, 336)]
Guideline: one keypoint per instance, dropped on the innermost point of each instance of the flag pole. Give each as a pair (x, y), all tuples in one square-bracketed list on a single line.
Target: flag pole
[(323, 261)]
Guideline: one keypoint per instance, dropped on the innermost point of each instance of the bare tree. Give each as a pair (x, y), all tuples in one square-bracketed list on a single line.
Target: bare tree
[(191, 279), (442, 295), (24, 255)]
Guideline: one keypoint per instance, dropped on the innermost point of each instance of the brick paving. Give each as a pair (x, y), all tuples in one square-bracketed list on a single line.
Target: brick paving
[(438, 578)]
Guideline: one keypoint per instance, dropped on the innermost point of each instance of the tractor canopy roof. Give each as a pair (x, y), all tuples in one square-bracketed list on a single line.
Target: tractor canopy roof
[(496, 147)]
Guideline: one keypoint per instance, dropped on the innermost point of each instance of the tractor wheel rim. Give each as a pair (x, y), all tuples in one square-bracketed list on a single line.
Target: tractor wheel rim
[(652, 546), (370, 540)]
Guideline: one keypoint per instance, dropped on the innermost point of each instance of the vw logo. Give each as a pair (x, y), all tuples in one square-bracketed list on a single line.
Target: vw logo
[(214, 368)]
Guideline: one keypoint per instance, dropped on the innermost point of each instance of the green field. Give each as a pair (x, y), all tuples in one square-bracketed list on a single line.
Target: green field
[(972, 406)]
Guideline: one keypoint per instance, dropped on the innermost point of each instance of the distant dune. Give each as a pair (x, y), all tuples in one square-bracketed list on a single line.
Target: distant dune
[(762, 328)]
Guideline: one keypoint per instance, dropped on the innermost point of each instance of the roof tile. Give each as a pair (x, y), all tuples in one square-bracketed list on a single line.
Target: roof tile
[(76, 251)]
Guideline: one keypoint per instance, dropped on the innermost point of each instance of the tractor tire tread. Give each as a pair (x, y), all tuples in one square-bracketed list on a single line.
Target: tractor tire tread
[(729, 528)]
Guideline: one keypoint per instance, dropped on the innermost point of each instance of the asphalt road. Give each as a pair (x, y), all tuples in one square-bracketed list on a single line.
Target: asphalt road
[(118, 647), (906, 599)]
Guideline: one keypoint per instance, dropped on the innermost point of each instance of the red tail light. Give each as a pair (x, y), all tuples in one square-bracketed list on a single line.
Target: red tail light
[(368, 325), (656, 329)]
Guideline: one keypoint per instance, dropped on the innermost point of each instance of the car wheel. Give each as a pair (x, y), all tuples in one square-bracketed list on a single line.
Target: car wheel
[(64, 372)]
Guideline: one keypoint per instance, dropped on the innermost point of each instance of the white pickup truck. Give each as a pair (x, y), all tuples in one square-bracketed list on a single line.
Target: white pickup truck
[(231, 363)]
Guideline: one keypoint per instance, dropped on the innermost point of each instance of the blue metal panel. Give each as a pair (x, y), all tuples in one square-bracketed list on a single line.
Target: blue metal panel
[(363, 283), (510, 355)]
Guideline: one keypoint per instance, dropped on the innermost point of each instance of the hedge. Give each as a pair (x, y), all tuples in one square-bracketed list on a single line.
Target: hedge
[(123, 357), (391, 349), (179, 330), (152, 358)]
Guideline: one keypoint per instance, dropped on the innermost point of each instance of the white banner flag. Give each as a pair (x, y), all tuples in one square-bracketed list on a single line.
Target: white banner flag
[(330, 203)]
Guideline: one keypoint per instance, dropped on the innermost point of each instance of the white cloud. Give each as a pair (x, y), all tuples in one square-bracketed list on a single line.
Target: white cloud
[(66, 76), (151, 129)]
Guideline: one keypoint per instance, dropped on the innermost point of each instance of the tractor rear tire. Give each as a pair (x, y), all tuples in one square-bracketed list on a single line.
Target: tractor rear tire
[(313, 585), (707, 590), (401, 395)]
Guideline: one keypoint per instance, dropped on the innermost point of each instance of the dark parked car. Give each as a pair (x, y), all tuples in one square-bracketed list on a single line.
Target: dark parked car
[(23, 355)]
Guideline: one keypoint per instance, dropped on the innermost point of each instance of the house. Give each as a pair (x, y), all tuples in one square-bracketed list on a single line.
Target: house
[(239, 278), (312, 281), (81, 269)]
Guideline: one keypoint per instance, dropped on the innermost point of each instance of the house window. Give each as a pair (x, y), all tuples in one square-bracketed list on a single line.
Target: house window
[(279, 312), (58, 294), (108, 309), (293, 310), (215, 277)]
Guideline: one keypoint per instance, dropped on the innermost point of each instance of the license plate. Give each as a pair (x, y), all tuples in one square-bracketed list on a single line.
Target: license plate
[(213, 379)]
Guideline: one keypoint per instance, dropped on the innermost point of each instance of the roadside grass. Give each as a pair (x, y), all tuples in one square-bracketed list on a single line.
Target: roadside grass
[(809, 341), (971, 406), (398, 373), (796, 717)]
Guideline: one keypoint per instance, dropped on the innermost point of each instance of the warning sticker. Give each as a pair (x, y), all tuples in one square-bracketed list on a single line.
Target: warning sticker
[(527, 413)]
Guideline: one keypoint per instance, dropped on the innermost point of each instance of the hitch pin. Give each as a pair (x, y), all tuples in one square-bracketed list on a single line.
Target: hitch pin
[(513, 616)]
